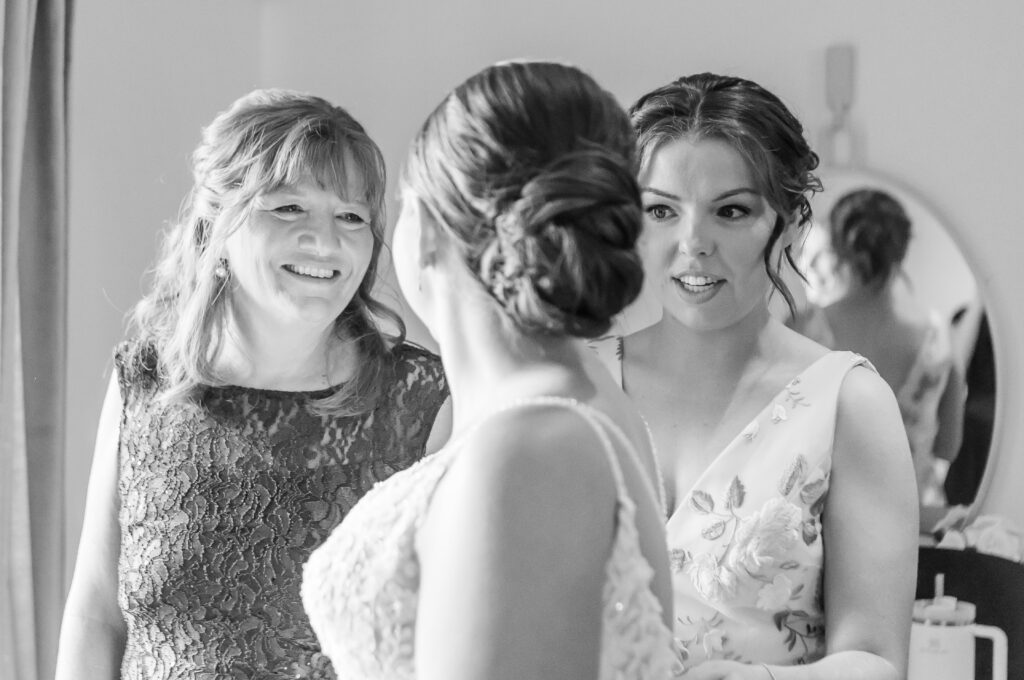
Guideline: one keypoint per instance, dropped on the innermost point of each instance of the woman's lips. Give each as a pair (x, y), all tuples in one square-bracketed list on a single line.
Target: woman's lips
[(312, 271), (698, 287)]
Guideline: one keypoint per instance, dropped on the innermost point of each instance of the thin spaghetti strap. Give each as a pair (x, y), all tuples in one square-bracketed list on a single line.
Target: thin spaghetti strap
[(598, 420), (659, 479), (618, 370), (659, 482)]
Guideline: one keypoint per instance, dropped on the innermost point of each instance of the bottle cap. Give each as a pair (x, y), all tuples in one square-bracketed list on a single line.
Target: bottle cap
[(943, 610), (942, 614)]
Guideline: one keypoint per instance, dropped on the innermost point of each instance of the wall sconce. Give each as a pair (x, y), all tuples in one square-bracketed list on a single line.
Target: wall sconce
[(839, 146)]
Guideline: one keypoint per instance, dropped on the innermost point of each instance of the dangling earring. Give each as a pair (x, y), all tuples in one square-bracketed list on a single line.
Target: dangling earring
[(426, 261), (221, 271)]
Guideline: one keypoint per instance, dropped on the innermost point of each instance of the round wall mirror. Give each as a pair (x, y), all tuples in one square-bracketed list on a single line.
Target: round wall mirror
[(946, 382)]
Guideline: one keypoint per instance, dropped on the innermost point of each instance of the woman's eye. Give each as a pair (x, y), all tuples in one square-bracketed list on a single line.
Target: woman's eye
[(354, 220), (659, 212), (733, 212), (290, 209)]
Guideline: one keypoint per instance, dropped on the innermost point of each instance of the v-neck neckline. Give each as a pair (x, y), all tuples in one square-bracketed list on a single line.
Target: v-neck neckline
[(621, 354)]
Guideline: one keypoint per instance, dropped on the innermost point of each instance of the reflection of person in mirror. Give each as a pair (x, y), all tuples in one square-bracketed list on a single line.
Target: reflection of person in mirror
[(532, 546), (793, 523), (863, 302), (258, 401)]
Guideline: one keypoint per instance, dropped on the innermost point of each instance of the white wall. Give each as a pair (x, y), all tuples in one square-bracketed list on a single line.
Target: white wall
[(937, 84), (145, 76), (938, 93)]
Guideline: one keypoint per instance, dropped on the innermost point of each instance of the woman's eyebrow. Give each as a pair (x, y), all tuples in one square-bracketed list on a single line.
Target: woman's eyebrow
[(659, 192), (734, 192)]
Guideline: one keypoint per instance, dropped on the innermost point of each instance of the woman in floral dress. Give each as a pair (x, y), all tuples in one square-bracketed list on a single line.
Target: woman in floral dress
[(792, 522)]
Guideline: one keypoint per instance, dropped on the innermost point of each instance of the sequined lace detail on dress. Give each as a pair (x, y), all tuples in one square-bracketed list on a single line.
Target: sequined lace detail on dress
[(222, 503), (361, 587)]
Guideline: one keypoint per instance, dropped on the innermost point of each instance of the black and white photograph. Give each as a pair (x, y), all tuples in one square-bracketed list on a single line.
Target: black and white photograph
[(478, 340)]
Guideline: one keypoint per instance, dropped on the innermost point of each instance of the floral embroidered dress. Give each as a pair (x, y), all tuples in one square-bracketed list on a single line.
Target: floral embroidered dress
[(745, 542), (361, 588), (221, 504)]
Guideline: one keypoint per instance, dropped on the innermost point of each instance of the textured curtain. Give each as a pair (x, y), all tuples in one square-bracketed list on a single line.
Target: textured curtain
[(33, 278)]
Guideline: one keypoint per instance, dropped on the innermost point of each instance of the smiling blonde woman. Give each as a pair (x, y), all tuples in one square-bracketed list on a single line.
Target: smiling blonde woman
[(256, 403)]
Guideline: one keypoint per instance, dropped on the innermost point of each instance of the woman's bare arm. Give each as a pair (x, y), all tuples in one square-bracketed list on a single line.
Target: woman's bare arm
[(951, 416), (93, 630)]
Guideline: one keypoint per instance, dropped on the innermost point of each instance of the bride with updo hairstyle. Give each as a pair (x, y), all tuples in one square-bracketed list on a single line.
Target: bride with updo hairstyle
[(543, 205), (532, 545), (865, 302)]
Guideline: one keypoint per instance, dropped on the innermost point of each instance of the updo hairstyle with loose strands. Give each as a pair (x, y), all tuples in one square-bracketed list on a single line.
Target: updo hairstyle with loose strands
[(755, 123), (870, 231), (267, 139), (531, 168)]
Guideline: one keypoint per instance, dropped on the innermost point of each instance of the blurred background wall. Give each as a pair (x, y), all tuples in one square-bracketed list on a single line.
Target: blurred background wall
[(938, 93)]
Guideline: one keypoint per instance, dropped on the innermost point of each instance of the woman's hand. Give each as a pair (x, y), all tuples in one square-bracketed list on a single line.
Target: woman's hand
[(728, 670)]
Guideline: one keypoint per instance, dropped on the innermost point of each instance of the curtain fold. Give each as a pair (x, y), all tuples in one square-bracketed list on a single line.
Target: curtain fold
[(33, 295)]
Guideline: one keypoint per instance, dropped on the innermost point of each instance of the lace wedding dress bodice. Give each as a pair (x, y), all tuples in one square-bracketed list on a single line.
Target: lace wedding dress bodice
[(361, 587)]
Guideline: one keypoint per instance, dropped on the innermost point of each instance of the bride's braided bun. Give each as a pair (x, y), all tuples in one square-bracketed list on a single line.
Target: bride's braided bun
[(532, 168)]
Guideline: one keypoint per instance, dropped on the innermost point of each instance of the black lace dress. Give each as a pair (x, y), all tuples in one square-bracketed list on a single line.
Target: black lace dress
[(222, 504)]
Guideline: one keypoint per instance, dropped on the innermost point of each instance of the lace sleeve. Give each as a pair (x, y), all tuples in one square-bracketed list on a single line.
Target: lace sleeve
[(404, 418), (135, 363)]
